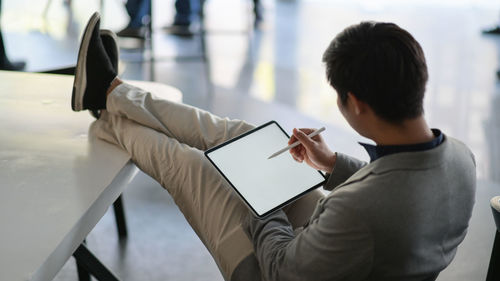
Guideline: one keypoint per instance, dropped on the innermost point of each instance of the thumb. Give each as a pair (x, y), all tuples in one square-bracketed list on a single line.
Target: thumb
[(303, 138)]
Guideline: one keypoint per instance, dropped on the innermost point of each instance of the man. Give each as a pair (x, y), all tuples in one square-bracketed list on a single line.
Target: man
[(399, 217)]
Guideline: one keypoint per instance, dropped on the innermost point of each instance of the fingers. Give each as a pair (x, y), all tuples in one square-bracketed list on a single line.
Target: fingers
[(303, 138), (299, 152), (293, 138)]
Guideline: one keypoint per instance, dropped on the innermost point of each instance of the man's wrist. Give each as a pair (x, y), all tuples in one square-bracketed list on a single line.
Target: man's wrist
[(331, 163)]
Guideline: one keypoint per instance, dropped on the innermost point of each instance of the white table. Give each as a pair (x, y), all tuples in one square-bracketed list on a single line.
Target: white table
[(56, 181)]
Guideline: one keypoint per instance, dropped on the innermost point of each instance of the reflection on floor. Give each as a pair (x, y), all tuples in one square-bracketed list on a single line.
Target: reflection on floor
[(274, 72)]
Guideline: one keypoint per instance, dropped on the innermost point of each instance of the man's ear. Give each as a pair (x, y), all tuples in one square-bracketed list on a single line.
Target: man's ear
[(357, 105)]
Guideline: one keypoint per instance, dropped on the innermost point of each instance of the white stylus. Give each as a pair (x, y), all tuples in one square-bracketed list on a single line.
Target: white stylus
[(315, 133)]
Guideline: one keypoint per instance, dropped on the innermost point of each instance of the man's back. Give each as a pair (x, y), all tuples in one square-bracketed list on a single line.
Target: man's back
[(415, 205), (400, 217)]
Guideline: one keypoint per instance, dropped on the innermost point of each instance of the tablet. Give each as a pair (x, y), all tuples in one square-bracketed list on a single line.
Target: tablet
[(265, 185)]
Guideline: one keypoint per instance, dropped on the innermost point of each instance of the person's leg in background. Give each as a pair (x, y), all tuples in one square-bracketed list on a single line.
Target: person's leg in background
[(495, 30), (185, 11), (140, 18), (5, 63), (182, 12), (257, 11)]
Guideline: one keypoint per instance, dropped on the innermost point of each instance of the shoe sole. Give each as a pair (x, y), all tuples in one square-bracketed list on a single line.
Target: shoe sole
[(80, 82)]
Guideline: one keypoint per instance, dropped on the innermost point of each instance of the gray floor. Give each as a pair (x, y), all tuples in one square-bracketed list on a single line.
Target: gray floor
[(275, 72)]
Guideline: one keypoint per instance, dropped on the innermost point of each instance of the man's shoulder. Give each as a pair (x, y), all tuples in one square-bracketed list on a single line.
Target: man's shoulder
[(377, 195), (458, 148), (450, 152), (451, 160)]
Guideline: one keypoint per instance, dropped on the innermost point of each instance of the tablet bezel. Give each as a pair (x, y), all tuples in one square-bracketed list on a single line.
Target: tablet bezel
[(207, 152)]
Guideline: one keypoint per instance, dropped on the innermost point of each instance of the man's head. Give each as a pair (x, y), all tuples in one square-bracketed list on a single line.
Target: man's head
[(380, 64)]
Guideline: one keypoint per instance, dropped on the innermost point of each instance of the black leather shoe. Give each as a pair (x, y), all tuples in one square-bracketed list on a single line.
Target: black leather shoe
[(94, 71), (133, 32), (181, 30)]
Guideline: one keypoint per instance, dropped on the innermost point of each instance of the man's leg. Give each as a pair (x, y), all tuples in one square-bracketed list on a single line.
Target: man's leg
[(206, 200), (190, 125), (203, 196), (194, 127), (198, 189)]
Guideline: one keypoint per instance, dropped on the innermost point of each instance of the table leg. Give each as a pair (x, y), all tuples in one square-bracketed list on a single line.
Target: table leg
[(83, 274), (120, 217), (87, 261), (493, 268)]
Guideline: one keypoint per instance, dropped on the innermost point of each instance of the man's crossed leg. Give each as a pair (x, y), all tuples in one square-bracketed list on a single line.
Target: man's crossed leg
[(166, 140)]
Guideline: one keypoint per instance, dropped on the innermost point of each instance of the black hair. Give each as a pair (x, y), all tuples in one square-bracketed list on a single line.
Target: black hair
[(382, 65)]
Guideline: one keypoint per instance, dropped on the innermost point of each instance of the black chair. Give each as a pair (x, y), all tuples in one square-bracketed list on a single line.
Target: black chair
[(494, 267)]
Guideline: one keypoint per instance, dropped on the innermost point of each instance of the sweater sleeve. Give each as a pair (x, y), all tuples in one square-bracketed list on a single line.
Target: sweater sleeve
[(345, 167), (336, 245)]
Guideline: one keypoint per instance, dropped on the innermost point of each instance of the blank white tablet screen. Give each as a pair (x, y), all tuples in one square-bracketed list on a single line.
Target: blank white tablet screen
[(264, 183)]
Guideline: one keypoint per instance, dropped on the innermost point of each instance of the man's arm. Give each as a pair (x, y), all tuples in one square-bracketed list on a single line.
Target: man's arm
[(336, 244), (345, 167), (316, 154)]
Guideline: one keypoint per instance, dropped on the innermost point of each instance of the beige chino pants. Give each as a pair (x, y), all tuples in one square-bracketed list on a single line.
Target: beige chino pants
[(166, 140)]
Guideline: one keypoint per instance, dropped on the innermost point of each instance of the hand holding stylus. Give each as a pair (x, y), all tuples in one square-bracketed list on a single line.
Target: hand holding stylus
[(295, 144), (313, 150)]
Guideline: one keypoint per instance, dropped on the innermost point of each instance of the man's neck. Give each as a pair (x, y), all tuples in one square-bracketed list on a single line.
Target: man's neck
[(411, 131)]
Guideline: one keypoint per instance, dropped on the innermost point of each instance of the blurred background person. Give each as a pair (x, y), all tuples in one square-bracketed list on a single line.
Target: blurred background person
[(140, 19), (186, 15), (5, 63), (495, 30), (186, 21)]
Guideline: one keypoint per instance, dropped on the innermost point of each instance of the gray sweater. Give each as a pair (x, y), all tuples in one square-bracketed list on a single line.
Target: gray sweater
[(400, 217)]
